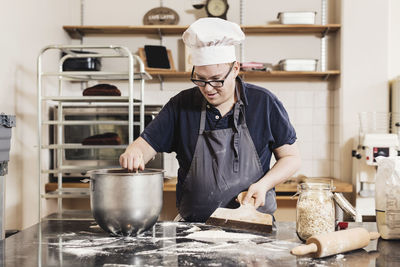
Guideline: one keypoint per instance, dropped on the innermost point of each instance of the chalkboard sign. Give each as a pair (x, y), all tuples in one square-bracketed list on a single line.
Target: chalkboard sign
[(157, 57), (161, 16)]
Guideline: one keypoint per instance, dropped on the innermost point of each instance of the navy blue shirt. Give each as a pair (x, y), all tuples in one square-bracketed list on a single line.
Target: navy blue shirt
[(176, 127)]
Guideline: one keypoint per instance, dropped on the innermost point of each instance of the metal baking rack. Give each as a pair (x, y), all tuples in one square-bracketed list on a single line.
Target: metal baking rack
[(59, 98)]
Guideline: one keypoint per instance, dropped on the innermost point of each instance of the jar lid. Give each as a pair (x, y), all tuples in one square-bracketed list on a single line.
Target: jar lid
[(315, 186)]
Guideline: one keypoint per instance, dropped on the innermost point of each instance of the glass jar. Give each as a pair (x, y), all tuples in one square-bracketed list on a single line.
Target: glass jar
[(315, 211)]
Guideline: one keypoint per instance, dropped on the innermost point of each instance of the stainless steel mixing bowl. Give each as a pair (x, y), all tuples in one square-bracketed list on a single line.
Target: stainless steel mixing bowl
[(126, 203)]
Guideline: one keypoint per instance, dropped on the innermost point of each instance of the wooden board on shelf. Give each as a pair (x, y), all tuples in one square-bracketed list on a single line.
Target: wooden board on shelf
[(282, 28), (290, 74), (77, 31), (169, 74), (289, 187), (257, 74), (169, 184), (343, 187)]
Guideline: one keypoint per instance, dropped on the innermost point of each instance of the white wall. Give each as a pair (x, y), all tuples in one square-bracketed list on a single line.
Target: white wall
[(394, 38), (26, 26), (365, 61)]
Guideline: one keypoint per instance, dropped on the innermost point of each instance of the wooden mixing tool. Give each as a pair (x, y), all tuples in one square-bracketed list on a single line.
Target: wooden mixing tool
[(246, 217)]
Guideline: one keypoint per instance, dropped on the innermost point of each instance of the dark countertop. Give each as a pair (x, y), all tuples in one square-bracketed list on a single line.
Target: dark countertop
[(82, 243)]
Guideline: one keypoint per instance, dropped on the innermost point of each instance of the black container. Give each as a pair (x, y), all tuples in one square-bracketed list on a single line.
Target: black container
[(6, 122), (81, 64)]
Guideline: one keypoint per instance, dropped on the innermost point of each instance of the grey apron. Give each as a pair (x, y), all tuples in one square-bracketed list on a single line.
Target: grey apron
[(225, 163)]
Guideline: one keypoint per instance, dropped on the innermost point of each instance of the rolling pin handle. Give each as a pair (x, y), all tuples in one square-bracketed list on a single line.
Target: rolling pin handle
[(374, 235), (304, 249)]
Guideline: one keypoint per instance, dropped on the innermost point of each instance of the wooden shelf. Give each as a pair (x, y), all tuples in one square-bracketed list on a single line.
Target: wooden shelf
[(77, 32), (280, 28), (169, 184), (257, 74), (288, 187)]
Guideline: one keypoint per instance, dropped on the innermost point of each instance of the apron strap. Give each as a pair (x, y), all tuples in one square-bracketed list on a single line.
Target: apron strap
[(236, 134), (203, 117)]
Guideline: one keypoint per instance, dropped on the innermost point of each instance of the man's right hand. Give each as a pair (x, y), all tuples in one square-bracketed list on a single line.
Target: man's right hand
[(136, 155), (132, 159)]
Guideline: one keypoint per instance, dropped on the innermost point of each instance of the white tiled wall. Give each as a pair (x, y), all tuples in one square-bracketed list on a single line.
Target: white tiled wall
[(312, 114), (335, 136)]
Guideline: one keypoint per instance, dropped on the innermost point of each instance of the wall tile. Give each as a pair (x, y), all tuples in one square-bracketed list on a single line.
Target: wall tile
[(304, 99), (321, 133), (306, 168), (321, 168), (306, 150), (336, 169), (304, 133), (321, 116), (304, 116), (288, 98), (321, 99), (321, 151)]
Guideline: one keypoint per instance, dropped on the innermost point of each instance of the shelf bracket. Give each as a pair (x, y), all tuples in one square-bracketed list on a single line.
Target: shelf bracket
[(80, 34), (325, 32), (161, 82), (326, 77), (161, 36)]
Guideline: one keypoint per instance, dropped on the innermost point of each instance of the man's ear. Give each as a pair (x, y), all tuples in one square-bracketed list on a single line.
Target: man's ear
[(236, 68)]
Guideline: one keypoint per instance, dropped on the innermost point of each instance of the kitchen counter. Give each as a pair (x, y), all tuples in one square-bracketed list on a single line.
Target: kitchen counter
[(83, 243)]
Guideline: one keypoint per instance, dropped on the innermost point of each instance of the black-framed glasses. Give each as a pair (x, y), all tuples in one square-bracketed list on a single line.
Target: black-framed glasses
[(213, 83)]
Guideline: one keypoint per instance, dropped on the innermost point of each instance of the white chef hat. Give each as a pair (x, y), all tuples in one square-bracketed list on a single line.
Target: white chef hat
[(212, 41)]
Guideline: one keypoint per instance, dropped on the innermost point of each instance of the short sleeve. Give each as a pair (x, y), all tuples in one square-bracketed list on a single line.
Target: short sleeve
[(160, 131), (282, 130)]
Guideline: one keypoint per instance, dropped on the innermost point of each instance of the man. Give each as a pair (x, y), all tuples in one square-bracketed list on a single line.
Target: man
[(224, 131)]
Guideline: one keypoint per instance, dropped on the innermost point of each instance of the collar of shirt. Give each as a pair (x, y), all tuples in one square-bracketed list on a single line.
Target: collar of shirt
[(243, 96)]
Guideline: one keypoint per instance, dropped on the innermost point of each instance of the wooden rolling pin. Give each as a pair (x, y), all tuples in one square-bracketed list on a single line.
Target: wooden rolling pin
[(328, 244)]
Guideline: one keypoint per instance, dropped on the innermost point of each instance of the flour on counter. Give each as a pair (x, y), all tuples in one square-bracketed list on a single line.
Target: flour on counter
[(194, 242), (193, 229), (219, 235), (66, 234), (172, 223), (117, 265), (89, 247)]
